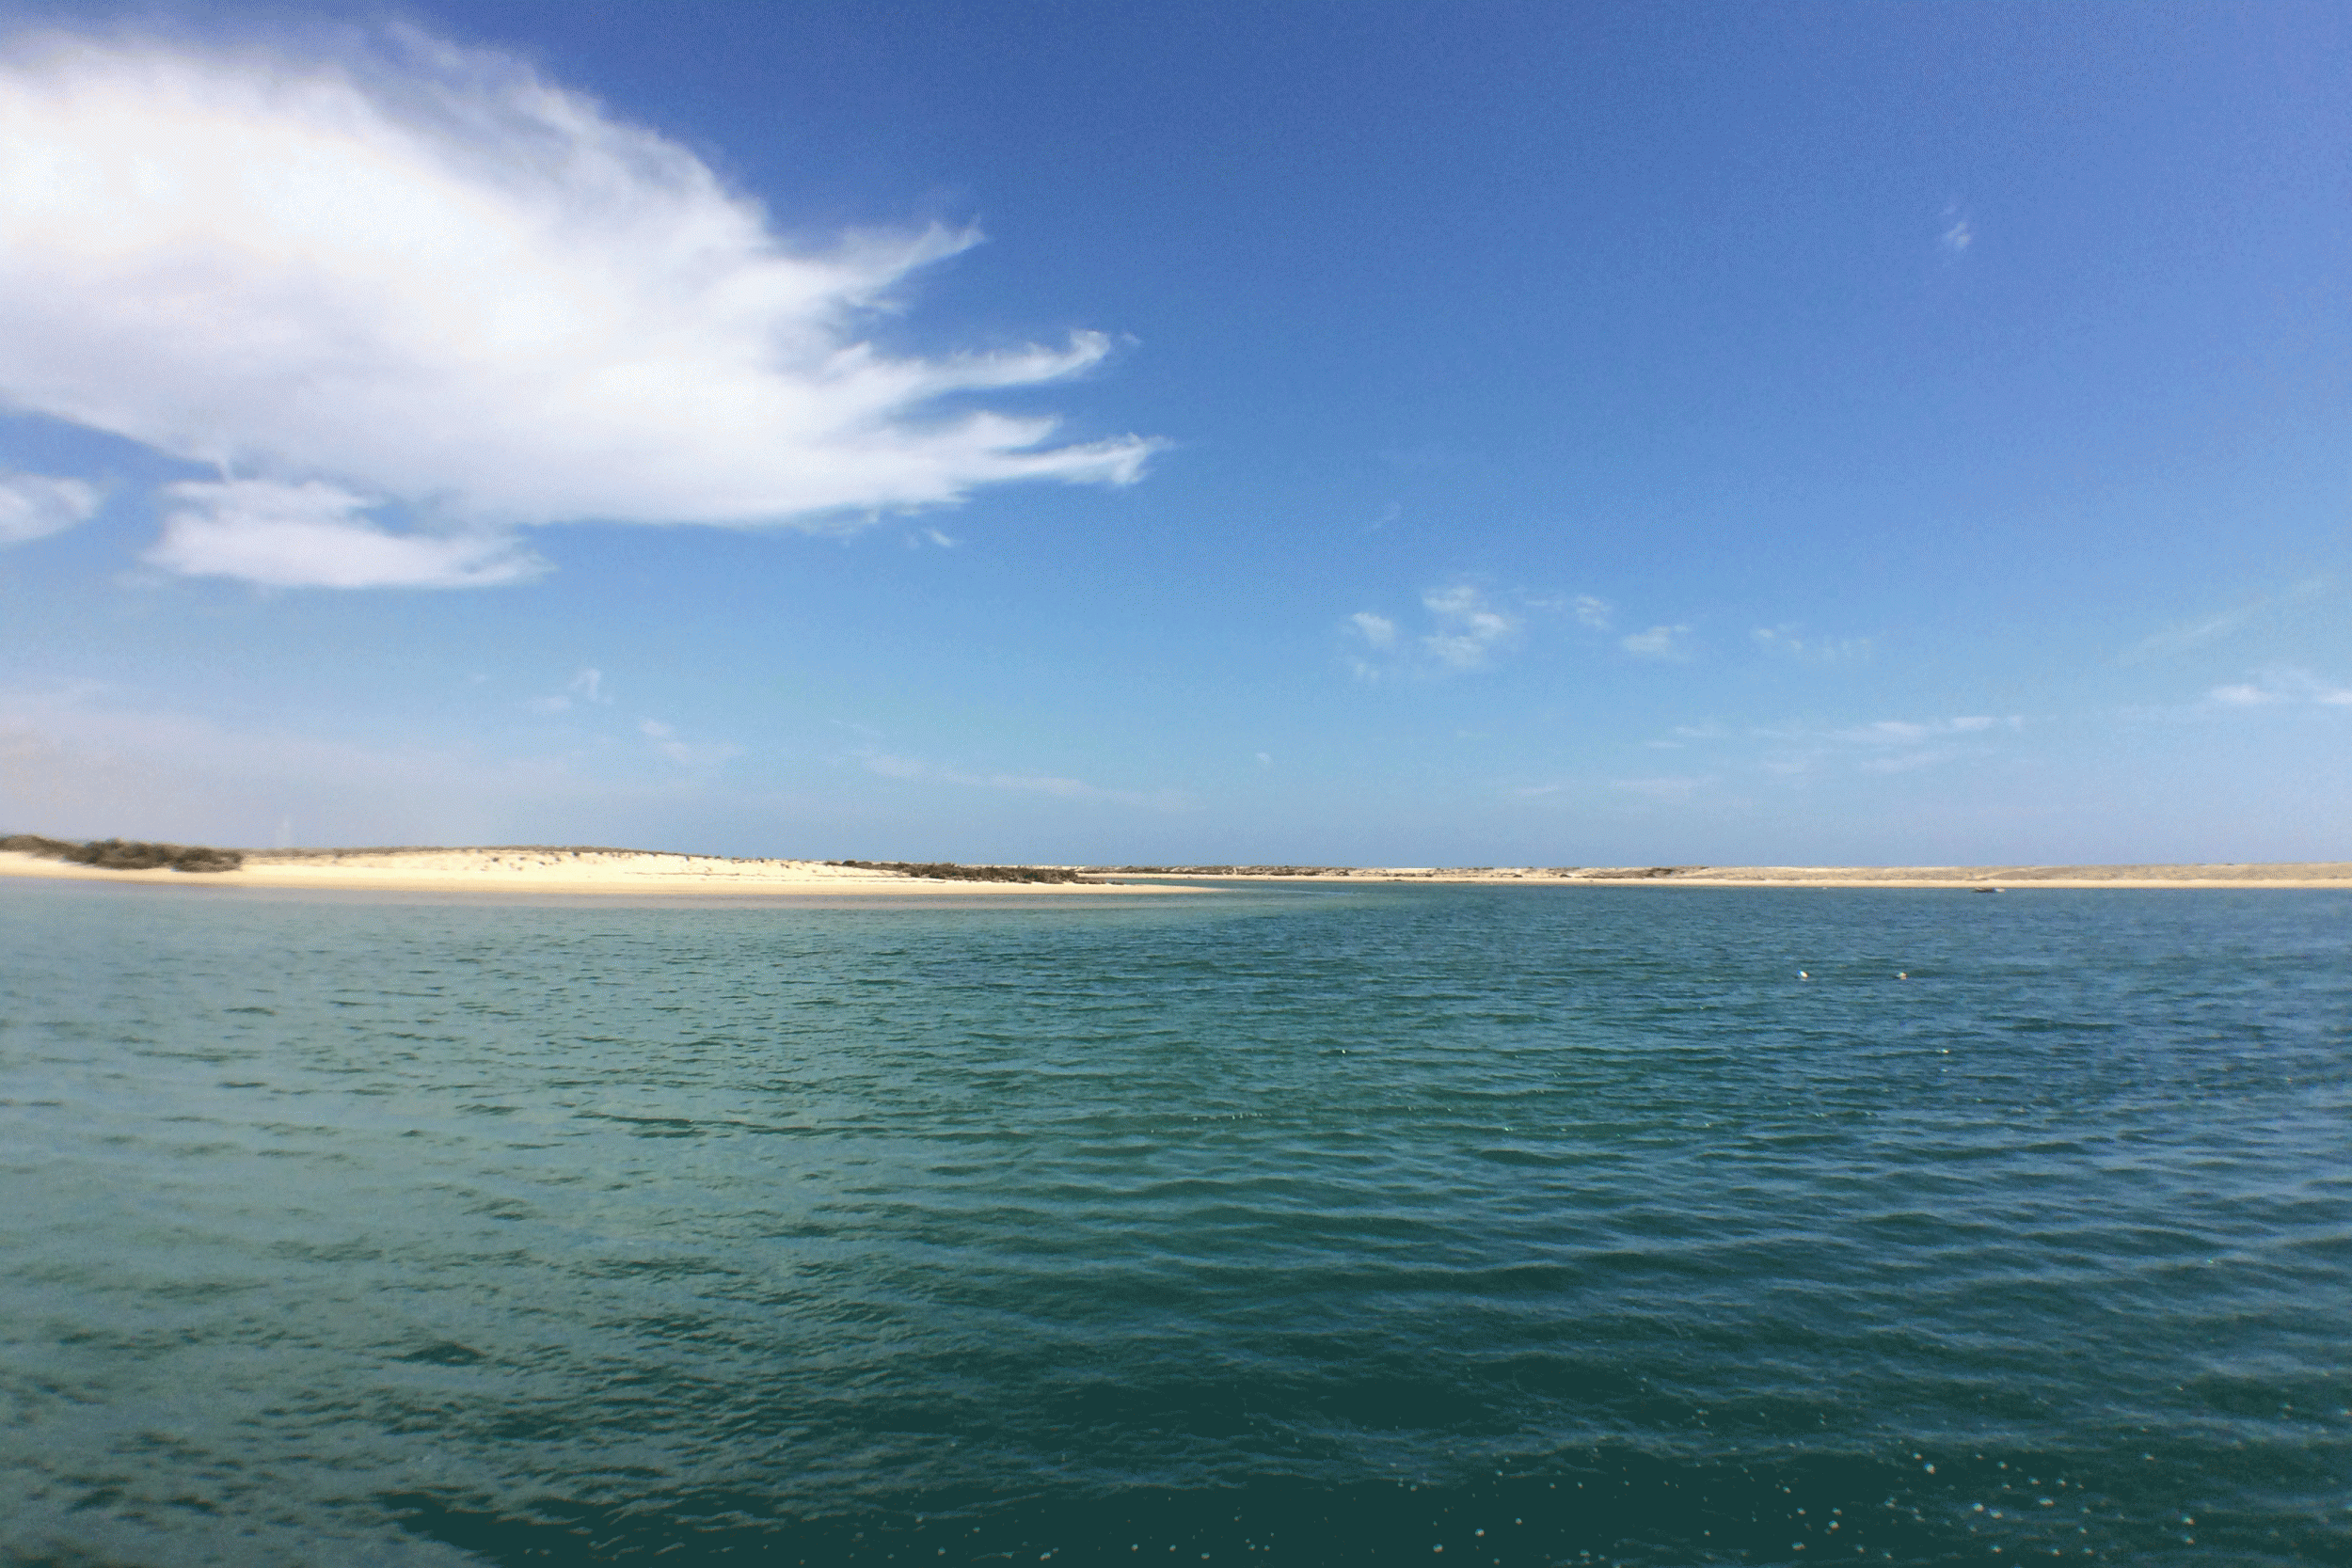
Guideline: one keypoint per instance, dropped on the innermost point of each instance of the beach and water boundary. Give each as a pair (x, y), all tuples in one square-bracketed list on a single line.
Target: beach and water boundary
[(591, 871)]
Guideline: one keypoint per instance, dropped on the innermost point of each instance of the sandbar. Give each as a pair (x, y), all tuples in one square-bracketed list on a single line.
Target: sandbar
[(2265, 874), (564, 871), (527, 869)]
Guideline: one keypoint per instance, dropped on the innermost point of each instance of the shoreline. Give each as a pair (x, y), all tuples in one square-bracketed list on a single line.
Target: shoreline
[(596, 873), (523, 869), (2005, 878)]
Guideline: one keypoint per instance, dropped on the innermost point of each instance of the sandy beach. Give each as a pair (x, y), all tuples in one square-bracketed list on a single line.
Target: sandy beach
[(651, 872), (567, 871)]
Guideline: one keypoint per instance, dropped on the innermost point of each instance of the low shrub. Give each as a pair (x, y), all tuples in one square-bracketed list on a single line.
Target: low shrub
[(949, 871), (116, 854)]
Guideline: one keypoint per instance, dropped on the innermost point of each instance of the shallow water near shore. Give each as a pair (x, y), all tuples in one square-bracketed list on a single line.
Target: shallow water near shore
[(1515, 1225)]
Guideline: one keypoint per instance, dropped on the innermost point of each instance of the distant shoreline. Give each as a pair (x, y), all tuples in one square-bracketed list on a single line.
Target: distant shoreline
[(532, 869), (2279, 874)]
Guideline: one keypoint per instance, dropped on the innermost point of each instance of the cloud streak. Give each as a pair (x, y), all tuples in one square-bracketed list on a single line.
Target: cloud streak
[(892, 766), (34, 506), (2280, 688), (317, 536), (1672, 644), (1787, 642), (423, 284), (1883, 746), (2186, 635)]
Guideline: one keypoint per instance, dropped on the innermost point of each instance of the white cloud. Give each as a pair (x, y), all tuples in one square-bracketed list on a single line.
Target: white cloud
[(1671, 642), (1886, 745), (1588, 609), (1670, 787), (1958, 234), (1468, 628), (893, 767), (588, 686), (2186, 635), (1465, 631), (317, 535), (686, 754), (1786, 642), (1907, 761), (2284, 685), (1901, 746), (1904, 732), (423, 276), (33, 506)]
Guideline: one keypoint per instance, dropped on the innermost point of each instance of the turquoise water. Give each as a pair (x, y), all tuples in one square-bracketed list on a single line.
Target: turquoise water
[(1518, 1226)]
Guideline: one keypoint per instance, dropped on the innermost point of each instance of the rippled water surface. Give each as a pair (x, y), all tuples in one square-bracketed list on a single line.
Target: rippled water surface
[(1520, 1225)]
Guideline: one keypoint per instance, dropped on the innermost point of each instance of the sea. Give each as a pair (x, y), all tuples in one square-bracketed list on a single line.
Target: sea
[(1292, 1224)]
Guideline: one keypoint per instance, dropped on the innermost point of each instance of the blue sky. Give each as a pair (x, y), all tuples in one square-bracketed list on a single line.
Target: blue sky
[(1465, 434)]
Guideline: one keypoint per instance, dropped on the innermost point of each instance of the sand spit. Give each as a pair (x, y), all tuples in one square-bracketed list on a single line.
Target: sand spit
[(2276, 874), (530, 869), (534, 869)]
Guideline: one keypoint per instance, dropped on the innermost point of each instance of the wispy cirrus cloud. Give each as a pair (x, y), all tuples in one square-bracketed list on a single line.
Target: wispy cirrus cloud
[(585, 687), (1791, 642), (2197, 631), (1672, 644), (34, 506), (699, 755), (890, 765), (1907, 732), (318, 535), (1665, 787), (1958, 234), (2284, 685), (416, 298), (1881, 746)]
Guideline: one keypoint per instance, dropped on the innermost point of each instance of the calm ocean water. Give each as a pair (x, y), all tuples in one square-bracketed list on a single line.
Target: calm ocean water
[(1511, 1226)]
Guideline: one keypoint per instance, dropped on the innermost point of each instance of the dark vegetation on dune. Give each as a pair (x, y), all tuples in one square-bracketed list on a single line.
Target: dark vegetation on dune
[(947, 871), (116, 854), (1641, 873)]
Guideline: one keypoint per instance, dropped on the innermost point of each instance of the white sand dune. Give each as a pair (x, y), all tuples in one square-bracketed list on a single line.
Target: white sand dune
[(527, 870), (537, 870)]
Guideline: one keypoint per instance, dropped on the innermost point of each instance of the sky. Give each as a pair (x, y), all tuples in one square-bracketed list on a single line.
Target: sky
[(1374, 434)]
